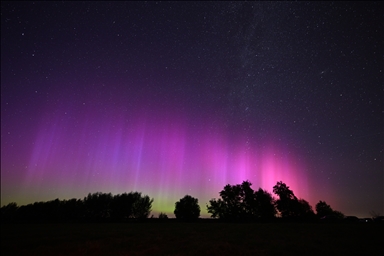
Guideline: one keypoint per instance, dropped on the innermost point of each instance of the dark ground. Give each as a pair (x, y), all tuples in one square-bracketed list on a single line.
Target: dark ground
[(200, 238)]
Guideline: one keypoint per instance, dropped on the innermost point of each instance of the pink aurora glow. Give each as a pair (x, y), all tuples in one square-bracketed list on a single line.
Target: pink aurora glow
[(161, 155)]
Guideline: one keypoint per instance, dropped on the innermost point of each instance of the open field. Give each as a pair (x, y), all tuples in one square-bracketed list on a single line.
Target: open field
[(201, 238)]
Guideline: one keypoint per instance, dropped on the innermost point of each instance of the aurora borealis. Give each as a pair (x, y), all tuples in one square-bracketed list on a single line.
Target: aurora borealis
[(170, 99)]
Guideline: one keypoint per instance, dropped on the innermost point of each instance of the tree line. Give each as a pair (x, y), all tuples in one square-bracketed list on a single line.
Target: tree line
[(236, 203), (96, 207), (241, 202)]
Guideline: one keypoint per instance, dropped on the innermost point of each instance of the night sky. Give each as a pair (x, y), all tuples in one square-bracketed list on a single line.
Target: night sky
[(170, 99)]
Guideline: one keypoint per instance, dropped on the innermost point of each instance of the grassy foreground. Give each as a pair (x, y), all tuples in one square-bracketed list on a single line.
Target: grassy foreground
[(175, 238)]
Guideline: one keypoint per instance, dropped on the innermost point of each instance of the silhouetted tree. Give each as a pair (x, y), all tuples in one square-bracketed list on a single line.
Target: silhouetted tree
[(239, 202), (283, 191), (231, 204), (122, 206), (163, 216), (233, 198), (72, 210), (98, 206), (9, 212), (54, 210), (218, 209), (324, 210), (338, 215), (131, 205), (142, 206), (265, 205), (187, 208), (288, 204), (304, 210), (95, 207)]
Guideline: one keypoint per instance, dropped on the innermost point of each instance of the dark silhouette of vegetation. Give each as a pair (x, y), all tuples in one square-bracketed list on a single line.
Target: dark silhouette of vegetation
[(236, 203), (289, 206), (324, 211), (141, 207), (304, 210), (240, 202), (286, 201), (187, 208), (96, 207), (117, 208), (163, 216), (9, 212), (265, 205)]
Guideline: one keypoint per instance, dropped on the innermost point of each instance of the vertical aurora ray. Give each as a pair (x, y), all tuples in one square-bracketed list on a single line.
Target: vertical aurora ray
[(161, 155), (191, 99)]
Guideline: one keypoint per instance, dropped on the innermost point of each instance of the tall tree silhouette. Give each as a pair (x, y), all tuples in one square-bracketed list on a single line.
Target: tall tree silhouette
[(239, 202), (98, 206), (131, 205), (287, 200), (304, 210), (142, 206), (325, 210), (187, 208), (288, 204), (265, 205)]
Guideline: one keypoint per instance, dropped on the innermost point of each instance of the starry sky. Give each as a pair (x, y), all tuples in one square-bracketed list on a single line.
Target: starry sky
[(176, 98)]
